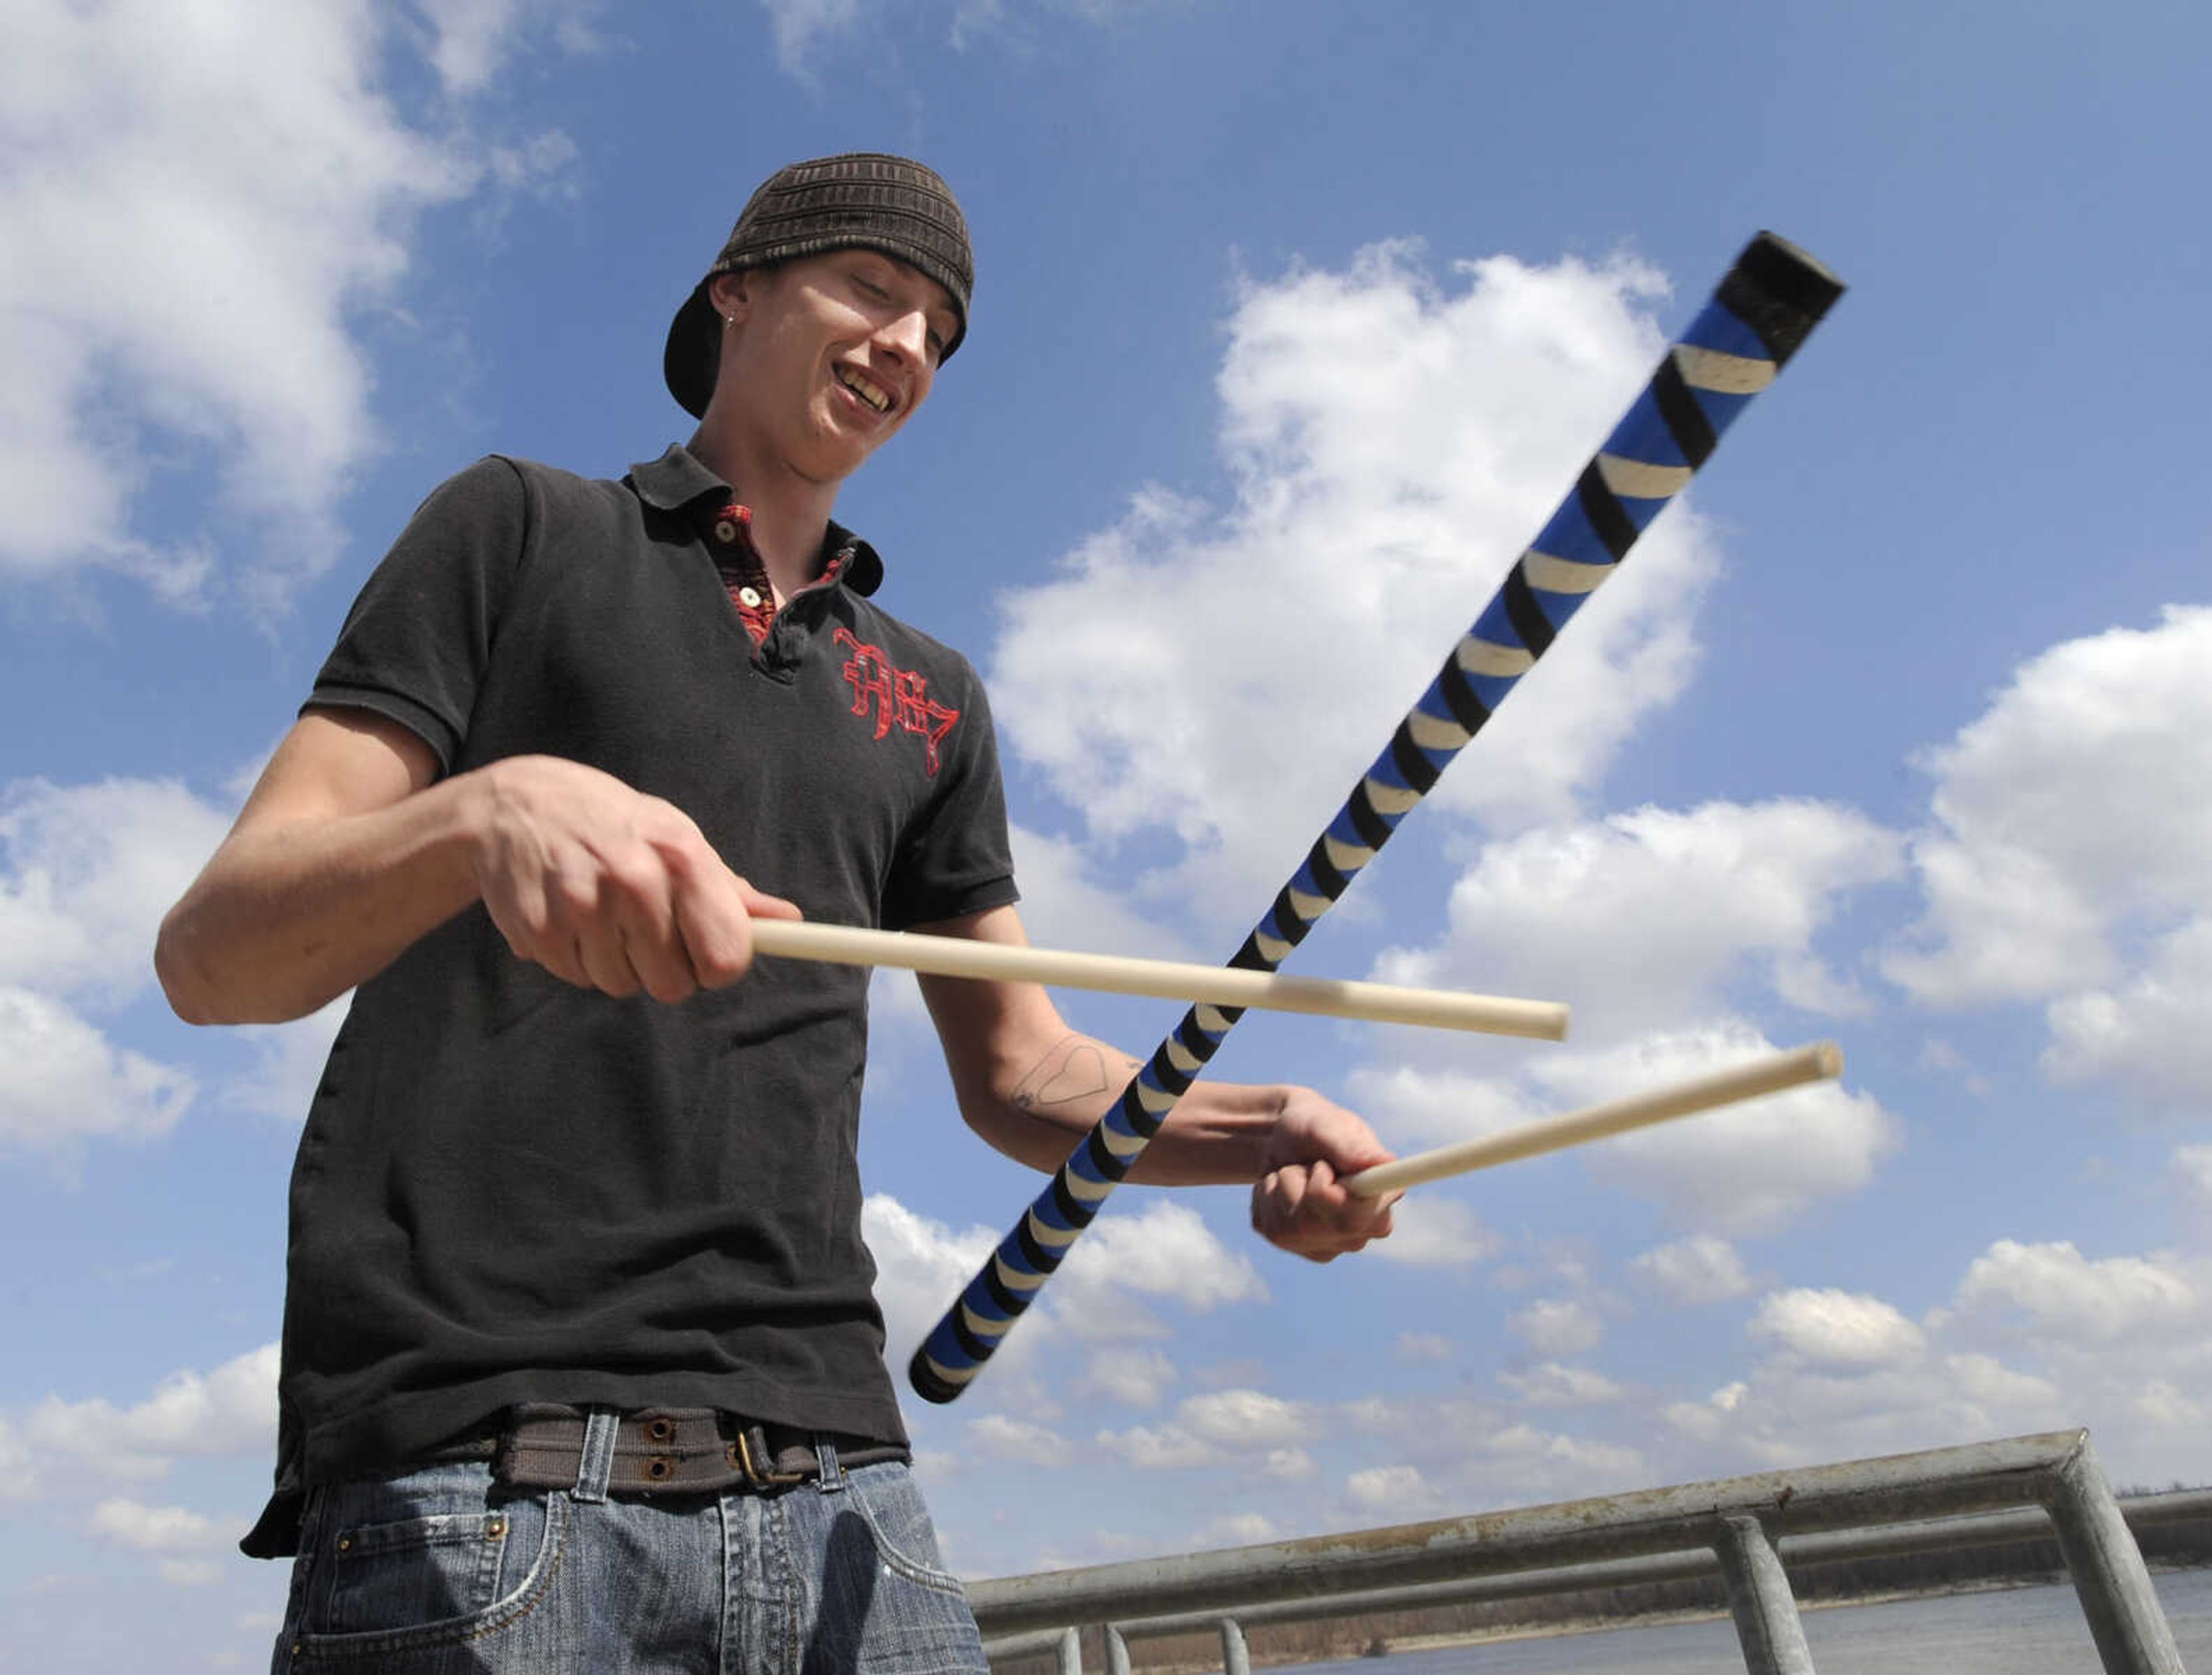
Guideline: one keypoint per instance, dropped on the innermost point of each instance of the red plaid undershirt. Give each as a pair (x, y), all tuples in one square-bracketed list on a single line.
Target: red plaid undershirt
[(739, 563)]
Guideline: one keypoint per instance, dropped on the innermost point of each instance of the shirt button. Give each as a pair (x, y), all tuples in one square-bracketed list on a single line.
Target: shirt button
[(749, 598), (726, 532)]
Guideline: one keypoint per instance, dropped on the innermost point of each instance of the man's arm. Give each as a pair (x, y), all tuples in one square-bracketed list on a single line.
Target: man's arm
[(1032, 1087), (350, 848)]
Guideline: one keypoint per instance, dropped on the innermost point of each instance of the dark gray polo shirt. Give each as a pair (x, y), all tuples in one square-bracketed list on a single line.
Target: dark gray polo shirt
[(510, 1189)]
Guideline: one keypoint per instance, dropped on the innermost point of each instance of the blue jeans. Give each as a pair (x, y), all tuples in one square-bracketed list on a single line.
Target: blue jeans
[(442, 1570)]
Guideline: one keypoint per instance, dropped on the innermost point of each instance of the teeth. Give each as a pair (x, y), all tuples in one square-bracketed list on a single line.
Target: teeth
[(873, 394)]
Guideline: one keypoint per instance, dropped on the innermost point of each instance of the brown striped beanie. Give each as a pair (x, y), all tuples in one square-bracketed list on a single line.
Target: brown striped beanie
[(867, 198)]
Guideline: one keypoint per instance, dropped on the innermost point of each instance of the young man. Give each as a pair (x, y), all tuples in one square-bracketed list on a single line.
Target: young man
[(582, 1368)]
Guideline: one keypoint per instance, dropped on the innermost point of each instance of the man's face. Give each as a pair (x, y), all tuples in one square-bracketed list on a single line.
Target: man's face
[(829, 358)]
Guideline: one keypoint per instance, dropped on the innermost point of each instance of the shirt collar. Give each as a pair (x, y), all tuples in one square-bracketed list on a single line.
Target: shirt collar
[(676, 482)]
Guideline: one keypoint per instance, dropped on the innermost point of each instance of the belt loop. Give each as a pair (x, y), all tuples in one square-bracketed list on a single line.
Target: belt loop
[(833, 1474), (597, 1462)]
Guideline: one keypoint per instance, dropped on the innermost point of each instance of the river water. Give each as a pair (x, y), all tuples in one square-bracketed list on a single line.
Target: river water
[(2011, 1631)]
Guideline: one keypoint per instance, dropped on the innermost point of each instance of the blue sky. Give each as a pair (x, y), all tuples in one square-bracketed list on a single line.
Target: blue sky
[(1293, 322)]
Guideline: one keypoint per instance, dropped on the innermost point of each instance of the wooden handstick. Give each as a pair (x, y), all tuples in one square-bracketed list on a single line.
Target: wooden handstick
[(1823, 1060), (1165, 979)]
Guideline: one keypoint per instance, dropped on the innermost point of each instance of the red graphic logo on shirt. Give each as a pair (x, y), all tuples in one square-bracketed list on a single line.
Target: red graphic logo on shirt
[(900, 696)]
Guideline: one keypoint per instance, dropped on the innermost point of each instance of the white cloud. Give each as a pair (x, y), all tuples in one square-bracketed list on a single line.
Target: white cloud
[(1135, 1377), (1736, 1169), (155, 1529), (2073, 815), (1452, 1453), (1551, 1384), (2193, 1165), (191, 1414), (2165, 1406), (1063, 908), (1790, 1411), (2064, 1295), (1397, 1490), (2153, 1032), (1839, 1329), (249, 146), (1430, 427), (1647, 919), (1697, 1269), (1429, 1231), (1417, 1106), (1558, 1326), (1573, 1458), (802, 28), (921, 1265), (62, 1082), (1244, 1419), (1710, 1419), (18, 1478), (1163, 1249), (1168, 1448), (254, 151), (473, 38), (1219, 1428), (806, 31), (1019, 1439), (1293, 1466), (288, 1064), (1425, 1347), (86, 874), (1455, 1455), (2036, 1337), (1236, 1529)]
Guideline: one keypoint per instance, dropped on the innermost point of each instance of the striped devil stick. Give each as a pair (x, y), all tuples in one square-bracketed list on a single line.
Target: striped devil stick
[(1763, 310)]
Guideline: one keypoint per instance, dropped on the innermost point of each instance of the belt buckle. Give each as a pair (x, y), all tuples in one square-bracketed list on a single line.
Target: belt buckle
[(752, 1442)]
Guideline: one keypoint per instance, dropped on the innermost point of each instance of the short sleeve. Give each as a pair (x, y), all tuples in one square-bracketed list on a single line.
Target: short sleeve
[(417, 642), (955, 859)]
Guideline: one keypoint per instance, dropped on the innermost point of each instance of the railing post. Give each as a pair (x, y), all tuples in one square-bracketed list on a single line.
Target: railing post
[(1069, 1653), (1117, 1652), (2125, 1619), (1234, 1660), (1767, 1621)]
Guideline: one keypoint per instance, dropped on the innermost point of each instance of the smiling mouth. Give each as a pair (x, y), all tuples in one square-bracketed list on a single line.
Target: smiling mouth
[(864, 388)]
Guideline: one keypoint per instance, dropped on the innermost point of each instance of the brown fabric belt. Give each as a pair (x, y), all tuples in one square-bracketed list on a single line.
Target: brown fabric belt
[(673, 1451)]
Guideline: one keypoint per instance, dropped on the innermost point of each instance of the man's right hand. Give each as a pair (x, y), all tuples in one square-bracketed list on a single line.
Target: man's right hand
[(609, 888), (351, 846)]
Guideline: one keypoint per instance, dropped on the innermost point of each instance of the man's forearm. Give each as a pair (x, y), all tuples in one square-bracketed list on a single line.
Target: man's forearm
[(288, 917), (1215, 1136)]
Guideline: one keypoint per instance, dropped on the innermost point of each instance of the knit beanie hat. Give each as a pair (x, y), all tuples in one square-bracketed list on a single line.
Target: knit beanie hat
[(862, 198)]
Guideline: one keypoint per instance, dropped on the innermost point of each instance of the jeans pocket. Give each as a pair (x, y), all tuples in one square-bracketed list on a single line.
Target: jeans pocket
[(905, 1540), (429, 1559)]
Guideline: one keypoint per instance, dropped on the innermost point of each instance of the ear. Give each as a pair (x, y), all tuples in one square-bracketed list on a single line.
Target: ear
[(732, 294)]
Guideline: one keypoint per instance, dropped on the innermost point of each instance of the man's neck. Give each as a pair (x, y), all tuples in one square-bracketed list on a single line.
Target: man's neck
[(790, 513)]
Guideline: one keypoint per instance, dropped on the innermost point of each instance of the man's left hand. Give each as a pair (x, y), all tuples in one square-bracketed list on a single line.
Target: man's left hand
[(1299, 1202)]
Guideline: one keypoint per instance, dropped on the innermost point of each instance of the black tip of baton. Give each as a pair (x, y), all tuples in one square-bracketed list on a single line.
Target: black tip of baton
[(928, 1383), (1780, 292)]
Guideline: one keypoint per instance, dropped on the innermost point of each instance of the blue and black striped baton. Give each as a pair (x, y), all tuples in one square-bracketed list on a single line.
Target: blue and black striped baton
[(1768, 304)]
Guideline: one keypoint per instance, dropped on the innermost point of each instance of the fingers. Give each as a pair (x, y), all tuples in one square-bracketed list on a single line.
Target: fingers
[(1304, 1208), (596, 925), (762, 905), (611, 889)]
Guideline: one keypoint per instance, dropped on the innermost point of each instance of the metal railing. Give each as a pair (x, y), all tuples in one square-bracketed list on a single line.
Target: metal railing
[(1745, 1529)]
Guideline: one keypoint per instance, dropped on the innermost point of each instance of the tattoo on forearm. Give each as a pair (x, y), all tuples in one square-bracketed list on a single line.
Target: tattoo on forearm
[(1076, 1069)]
